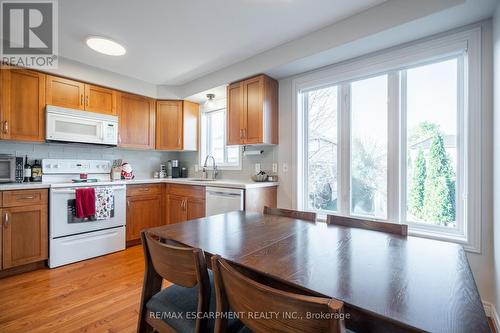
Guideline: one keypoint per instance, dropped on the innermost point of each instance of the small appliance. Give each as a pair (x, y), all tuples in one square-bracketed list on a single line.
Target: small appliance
[(8, 168)]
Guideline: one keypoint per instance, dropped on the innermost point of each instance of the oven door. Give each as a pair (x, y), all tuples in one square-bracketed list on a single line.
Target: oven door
[(63, 221), (7, 169)]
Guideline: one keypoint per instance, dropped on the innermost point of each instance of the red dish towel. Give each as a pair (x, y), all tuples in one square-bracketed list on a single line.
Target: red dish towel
[(85, 202)]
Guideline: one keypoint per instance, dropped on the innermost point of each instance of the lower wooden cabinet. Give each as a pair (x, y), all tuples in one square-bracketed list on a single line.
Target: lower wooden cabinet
[(185, 202), (24, 231), (144, 209), (25, 235)]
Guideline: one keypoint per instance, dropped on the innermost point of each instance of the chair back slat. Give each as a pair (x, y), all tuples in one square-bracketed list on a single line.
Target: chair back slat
[(392, 228), (174, 263), (295, 214), (245, 296)]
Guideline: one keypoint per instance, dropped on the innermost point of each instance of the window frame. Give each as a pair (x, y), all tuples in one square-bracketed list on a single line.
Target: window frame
[(465, 45), (204, 136)]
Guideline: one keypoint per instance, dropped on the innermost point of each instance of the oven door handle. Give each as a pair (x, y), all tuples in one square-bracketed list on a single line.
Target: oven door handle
[(74, 191)]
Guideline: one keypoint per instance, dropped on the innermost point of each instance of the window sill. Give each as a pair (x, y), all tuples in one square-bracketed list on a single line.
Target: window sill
[(430, 234)]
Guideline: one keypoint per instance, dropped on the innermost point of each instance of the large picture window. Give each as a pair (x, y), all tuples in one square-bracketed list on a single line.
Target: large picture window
[(395, 145)]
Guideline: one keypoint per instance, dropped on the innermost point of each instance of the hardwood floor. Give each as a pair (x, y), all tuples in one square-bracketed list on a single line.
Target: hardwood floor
[(97, 295)]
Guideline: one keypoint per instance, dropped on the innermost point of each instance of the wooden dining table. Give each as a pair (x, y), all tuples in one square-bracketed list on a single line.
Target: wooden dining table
[(388, 283)]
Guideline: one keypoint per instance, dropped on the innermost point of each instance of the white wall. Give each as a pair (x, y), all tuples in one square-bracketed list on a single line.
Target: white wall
[(481, 264), (496, 164)]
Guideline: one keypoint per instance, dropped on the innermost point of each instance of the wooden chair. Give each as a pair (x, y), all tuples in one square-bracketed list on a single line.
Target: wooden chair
[(392, 228), (244, 296), (295, 214), (186, 268)]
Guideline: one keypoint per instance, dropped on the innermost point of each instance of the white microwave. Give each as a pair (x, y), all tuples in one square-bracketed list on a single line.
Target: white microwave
[(68, 125)]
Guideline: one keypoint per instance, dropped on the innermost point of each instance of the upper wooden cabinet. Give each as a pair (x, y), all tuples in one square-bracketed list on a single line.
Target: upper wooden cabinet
[(22, 104), (177, 125), (81, 96), (252, 111), (99, 99), (137, 121), (65, 93)]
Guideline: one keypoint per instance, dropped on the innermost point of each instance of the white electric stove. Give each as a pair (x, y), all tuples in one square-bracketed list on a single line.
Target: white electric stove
[(72, 239)]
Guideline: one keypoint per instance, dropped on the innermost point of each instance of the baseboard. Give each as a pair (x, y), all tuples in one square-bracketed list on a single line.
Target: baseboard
[(492, 313)]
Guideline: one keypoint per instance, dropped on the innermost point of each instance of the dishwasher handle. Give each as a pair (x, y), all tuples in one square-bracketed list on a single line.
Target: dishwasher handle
[(223, 194)]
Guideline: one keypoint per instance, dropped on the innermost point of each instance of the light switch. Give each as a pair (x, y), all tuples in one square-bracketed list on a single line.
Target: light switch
[(275, 167), (285, 167)]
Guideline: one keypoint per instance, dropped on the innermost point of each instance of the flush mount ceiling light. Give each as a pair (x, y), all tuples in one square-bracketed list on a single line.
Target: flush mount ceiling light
[(106, 46), (210, 101)]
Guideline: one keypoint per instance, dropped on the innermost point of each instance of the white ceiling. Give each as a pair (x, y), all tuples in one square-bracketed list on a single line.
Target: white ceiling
[(175, 41), (201, 97)]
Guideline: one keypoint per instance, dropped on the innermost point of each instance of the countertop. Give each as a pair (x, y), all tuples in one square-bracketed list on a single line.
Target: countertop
[(228, 183)]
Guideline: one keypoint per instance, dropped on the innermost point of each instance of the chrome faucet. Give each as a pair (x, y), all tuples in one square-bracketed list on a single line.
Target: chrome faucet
[(215, 172)]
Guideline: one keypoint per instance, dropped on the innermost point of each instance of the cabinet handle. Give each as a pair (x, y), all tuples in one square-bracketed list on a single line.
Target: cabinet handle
[(119, 138), (28, 197), (81, 99), (241, 133), (244, 133), (6, 127), (145, 189), (128, 203), (6, 219), (87, 100)]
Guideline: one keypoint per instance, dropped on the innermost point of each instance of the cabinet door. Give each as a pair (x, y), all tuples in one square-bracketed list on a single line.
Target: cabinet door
[(253, 100), (142, 212), (191, 115), (169, 125), (100, 100), (65, 93), (25, 235), (177, 211), (137, 121), (22, 105), (195, 208), (235, 114)]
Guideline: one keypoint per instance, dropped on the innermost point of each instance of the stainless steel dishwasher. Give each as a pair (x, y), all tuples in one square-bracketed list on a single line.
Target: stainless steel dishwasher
[(222, 200)]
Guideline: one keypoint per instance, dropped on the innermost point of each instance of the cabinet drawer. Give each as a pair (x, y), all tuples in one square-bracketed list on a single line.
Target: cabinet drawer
[(190, 191), (133, 190), (24, 198)]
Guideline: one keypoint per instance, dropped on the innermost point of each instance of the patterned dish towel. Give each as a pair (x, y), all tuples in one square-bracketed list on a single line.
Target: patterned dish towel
[(104, 203)]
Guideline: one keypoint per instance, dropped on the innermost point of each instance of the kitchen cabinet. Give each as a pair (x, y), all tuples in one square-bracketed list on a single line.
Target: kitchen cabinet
[(65, 93), (185, 202), (100, 100), (22, 104), (24, 218), (144, 210), (80, 96), (137, 121), (177, 125), (252, 111)]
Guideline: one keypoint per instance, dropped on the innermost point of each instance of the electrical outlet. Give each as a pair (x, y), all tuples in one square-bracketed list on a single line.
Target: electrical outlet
[(285, 167), (275, 167), (257, 167), (196, 168)]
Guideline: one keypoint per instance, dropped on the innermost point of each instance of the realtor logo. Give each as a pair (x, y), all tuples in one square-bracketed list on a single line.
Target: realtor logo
[(29, 33)]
